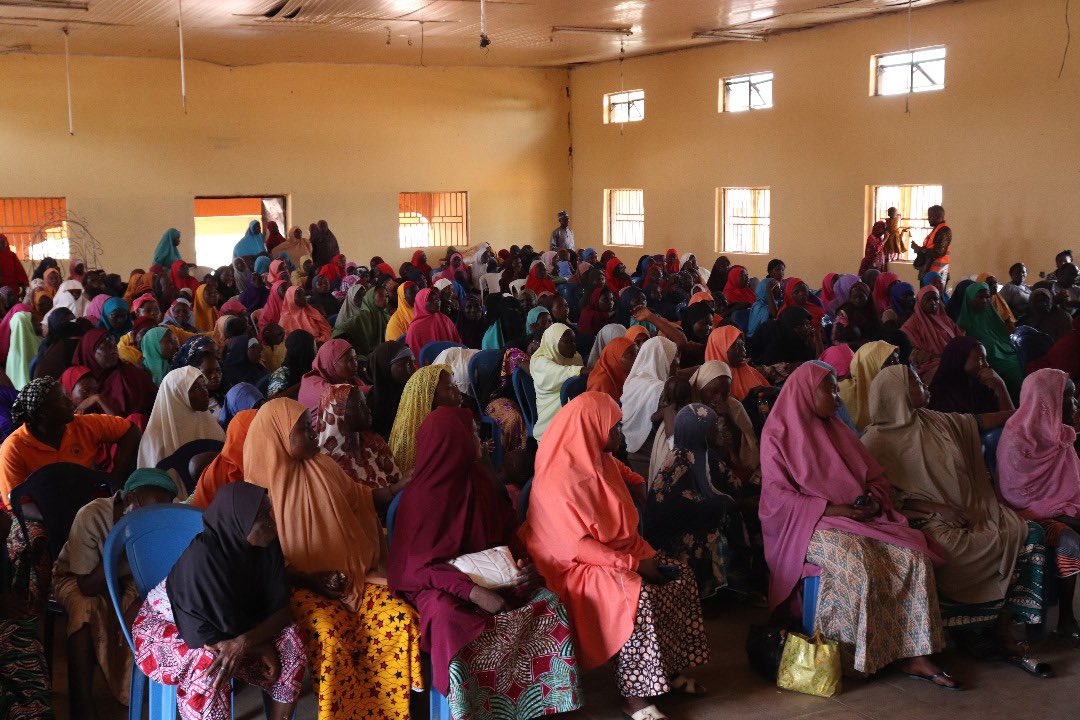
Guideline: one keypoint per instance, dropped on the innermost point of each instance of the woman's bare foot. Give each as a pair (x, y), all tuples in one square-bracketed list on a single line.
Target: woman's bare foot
[(924, 668), (632, 705)]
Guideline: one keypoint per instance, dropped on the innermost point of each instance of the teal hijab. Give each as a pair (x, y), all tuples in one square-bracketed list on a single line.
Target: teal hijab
[(157, 365), (987, 327), (116, 331), (251, 244), (166, 252)]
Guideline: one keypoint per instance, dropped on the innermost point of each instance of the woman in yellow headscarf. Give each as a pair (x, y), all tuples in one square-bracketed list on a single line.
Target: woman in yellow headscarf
[(1000, 306), (362, 642), (429, 387), (206, 314), (403, 316), (870, 359)]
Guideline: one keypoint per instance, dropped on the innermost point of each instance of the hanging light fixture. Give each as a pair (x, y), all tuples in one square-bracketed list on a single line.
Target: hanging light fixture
[(67, 73)]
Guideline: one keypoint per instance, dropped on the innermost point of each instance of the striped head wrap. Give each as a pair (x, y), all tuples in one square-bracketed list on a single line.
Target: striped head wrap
[(32, 398), (415, 404)]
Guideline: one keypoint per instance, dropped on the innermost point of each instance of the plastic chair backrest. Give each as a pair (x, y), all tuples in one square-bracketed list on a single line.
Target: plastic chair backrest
[(489, 283), (526, 397), (517, 286), (59, 491), (180, 461), (484, 369), (391, 516), (429, 352), (573, 387), (153, 538)]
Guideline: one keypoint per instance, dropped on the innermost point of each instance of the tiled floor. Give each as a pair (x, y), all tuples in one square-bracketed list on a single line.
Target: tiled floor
[(995, 690)]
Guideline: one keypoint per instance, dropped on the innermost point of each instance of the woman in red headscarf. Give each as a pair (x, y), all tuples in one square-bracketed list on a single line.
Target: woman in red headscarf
[(797, 294), (419, 261), (180, 277), (737, 289), (428, 324), (615, 275), (671, 261), (881, 290), (126, 388), (538, 281)]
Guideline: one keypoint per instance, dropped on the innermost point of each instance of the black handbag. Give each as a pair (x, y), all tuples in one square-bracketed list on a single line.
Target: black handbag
[(764, 648)]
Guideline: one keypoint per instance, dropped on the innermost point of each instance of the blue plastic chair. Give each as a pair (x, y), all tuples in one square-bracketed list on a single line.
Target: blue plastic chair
[(810, 588), (484, 369), (438, 705), (989, 440), (526, 397), (573, 387), (180, 461), (523, 500), (1030, 344), (741, 318), (429, 352), (584, 343), (153, 539)]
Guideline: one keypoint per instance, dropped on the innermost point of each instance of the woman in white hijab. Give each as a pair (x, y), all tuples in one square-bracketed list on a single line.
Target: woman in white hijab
[(179, 416), (72, 296), (607, 333), (553, 363), (642, 390)]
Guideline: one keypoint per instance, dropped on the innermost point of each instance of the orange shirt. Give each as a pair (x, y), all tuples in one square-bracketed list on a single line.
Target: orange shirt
[(22, 453)]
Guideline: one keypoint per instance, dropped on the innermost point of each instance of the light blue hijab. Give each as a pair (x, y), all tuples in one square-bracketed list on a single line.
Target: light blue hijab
[(166, 253), (759, 312), (251, 244)]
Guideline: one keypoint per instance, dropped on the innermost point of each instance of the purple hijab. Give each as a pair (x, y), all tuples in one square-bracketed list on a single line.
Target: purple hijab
[(841, 292)]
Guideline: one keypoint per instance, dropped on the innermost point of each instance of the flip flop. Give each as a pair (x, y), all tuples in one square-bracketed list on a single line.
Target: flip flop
[(1032, 666), (686, 686), (933, 680), (646, 713)]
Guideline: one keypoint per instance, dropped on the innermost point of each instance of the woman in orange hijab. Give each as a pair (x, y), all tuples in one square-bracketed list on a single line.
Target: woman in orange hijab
[(625, 602), (363, 644), (726, 344), (227, 467), (616, 360), (797, 294), (296, 314)]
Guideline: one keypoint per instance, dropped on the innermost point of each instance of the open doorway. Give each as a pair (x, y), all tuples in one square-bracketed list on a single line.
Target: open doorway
[(220, 222)]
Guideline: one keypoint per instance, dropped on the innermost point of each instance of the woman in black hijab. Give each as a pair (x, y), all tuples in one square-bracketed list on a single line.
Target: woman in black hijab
[(223, 612), (793, 339), (57, 348), (391, 365), (299, 357), (241, 362)]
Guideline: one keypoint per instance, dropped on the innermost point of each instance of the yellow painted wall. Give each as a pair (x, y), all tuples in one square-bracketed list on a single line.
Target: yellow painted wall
[(1003, 139), (341, 141)]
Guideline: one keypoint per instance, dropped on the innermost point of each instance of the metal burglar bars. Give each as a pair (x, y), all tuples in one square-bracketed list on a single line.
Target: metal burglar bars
[(433, 219), (744, 213), (747, 92), (30, 222), (905, 72), (624, 107), (625, 217)]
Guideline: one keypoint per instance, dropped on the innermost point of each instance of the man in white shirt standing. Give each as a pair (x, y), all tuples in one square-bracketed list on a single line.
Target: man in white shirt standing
[(562, 237)]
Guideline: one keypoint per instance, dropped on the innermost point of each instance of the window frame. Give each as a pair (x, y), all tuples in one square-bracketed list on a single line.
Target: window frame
[(721, 232), (434, 225), (50, 215), (873, 214), (610, 220), (610, 102), (751, 85), (877, 70)]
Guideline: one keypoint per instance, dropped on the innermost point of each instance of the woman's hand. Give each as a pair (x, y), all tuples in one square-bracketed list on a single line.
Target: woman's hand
[(529, 577), (649, 569), (330, 583), (642, 314), (953, 515), (227, 658), (487, 600), (859, 514)]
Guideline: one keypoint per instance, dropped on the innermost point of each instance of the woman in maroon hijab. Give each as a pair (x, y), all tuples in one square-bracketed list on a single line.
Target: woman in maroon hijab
[(127, 389), (453, 507)]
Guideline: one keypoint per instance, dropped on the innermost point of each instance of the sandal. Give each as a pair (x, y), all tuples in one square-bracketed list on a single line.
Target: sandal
[(686, 686), (646, 713), (933, 680), (1031, 665)]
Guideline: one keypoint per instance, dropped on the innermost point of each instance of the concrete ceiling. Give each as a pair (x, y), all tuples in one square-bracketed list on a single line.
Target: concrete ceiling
[(408, 32)]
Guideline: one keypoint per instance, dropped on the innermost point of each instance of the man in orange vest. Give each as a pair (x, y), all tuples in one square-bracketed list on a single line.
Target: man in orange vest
[(935, 249)]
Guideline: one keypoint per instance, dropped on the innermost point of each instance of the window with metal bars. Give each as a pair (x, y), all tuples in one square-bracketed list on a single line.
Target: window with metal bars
[(746, 92), (911, 202), (433, 219), (909, 71), (744, 216), (36, 227), (624, 223), (622, 107)]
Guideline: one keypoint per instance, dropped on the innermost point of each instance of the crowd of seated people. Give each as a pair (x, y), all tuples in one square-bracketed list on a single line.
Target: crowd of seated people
[(639, 438)]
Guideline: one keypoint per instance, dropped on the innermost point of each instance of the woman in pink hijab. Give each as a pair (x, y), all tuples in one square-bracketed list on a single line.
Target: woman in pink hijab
[(1039, 474), (826, 502), (930, 329), (335, 364), (271, 311), (428, 324), (297, 314)]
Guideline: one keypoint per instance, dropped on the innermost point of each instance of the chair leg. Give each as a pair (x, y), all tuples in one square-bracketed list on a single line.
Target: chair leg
[(162, 701), (137, 694)]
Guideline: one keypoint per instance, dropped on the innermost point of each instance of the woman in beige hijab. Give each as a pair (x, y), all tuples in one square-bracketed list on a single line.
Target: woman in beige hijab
[(869, 360), (993, 563), (362, 642)]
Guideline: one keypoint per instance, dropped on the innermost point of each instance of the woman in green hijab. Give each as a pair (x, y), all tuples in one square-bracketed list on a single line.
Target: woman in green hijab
[(158, 348), (979, 320), (167, 252), (366, 328)]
